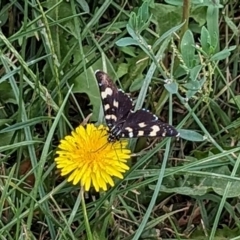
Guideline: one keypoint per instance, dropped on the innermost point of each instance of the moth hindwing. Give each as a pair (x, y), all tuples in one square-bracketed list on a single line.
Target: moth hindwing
[(121, 120)]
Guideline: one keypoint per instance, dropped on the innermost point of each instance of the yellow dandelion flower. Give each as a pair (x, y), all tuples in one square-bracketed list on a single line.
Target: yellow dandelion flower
[(88, 158)]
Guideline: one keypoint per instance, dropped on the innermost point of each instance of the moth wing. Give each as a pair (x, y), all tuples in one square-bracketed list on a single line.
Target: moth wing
[(144, 123), (116, 103)]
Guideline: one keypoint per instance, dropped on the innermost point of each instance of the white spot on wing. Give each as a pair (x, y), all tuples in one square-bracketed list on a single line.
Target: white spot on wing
[(115, 103), (155, 130), (108, 117), (114, 118), (140, 133), (164, 134), (129, 129), (106, 107), (108, 91), (130, 134), (142, 124)]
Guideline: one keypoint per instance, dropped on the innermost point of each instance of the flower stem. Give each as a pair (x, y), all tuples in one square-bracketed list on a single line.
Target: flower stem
[(86, 222), (185, 16)]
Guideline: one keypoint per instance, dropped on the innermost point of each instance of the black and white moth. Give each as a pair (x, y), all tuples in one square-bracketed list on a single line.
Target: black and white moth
[(121, 120)]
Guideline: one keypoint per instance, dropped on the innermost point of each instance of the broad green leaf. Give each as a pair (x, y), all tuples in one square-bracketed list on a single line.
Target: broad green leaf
[(194, 72), (171, 87), (232, 25), (127, 41), (134, 73), (59, 10), (140, 21), (189, 191), (205, 182), (6, 139), (188, 49), (6, 93), (137, 84), (193, 87), (84, 5), (205, 40), (222, 54), (190, 94), (131, 51), (4, 13), (220, 185), (122, 69), (198, 13), (166, 17), (86, 83), (143, 13), (213, 26), (191, 135), (174, 2)]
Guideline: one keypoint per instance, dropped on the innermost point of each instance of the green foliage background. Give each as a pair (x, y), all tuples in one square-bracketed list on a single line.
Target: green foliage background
[(180, 59)]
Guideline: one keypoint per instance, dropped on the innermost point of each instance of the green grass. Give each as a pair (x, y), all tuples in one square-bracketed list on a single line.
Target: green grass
[(176, 189)]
